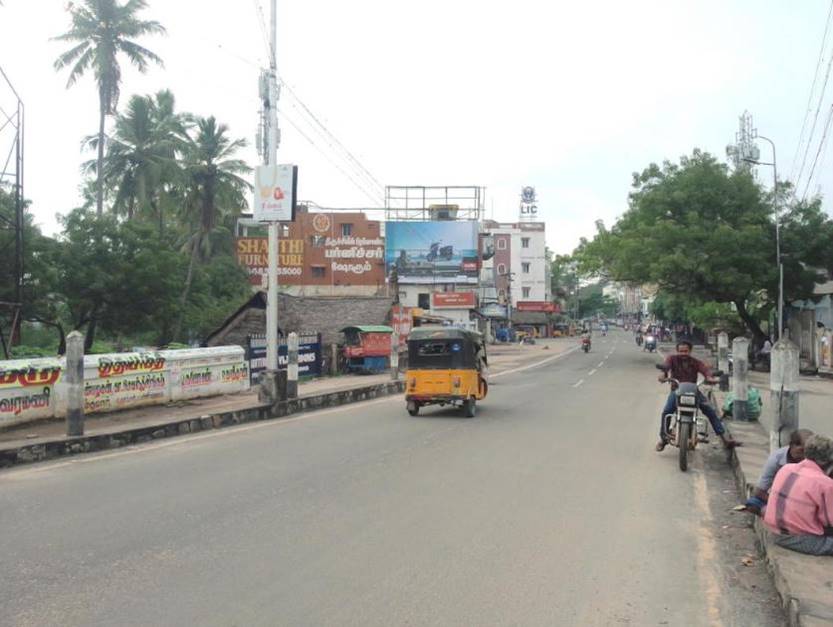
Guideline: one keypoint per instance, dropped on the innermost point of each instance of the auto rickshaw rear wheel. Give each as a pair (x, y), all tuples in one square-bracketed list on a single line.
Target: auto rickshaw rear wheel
[(469, 407), (413, 408)]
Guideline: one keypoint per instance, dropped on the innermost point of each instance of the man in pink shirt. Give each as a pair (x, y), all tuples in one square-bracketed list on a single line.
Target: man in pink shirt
[(800, 508)]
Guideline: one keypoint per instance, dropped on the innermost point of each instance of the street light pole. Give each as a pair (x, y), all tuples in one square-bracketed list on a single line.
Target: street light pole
[(777, 231)]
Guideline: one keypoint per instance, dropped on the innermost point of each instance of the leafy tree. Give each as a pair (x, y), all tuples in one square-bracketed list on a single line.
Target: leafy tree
[(699, 231), (215, 191), (100, 30)]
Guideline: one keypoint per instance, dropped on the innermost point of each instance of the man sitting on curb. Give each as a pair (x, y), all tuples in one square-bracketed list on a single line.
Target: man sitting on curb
[(790, 454), (800, 508)]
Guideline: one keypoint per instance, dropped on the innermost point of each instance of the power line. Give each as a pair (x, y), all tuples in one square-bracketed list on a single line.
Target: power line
[(261, 19), (815, 119), (372, 179), (358, 185), (822, 144), (812, 89)]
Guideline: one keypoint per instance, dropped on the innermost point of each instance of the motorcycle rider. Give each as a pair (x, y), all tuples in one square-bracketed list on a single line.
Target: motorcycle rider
[(685, 368)]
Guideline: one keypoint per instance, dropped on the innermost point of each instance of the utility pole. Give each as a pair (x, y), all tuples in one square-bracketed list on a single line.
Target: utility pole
[(272, 139)]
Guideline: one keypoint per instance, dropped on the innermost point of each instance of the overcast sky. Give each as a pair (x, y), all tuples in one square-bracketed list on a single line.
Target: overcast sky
[(570, 97)]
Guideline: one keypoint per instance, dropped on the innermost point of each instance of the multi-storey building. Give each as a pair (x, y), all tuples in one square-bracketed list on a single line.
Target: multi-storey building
[(520, 263)]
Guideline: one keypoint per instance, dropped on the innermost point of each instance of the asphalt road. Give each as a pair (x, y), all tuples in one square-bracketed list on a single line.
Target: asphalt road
[(548, 508)]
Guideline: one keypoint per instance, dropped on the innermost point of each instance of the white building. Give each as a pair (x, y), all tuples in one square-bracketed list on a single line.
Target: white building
[(520, 260)]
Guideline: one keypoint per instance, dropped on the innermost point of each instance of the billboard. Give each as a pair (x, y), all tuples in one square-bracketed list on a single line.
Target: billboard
[(274, 193), (432, 252)]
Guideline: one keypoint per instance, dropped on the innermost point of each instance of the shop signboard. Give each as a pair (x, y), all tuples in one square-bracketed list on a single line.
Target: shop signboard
[(309, 355), (453, 300), (402, 321), (536, 305), (493, 310), (432, 252)]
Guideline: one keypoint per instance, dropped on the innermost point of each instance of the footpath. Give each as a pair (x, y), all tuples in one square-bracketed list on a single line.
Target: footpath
[(48, 440), (804, 582)]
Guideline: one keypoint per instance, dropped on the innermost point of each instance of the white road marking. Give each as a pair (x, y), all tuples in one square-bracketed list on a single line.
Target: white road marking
[(591, 373), (601, 363), (578, 383), (272, 422)]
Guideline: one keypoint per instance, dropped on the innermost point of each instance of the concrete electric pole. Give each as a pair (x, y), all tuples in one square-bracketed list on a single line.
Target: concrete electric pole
[(271, 154)]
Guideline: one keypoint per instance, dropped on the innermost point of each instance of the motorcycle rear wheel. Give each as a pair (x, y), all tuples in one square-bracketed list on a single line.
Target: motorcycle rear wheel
[(683, 438)]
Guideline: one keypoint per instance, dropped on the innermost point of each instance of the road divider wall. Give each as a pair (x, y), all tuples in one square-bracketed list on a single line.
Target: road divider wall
[(33, 389)]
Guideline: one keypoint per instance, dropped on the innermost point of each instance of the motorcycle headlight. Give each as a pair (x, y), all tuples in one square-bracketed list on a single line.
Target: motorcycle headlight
[(689, 400)]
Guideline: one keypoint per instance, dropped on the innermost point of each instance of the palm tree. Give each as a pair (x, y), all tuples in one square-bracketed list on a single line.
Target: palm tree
[(140, 164), (100, 30), (214, 190)]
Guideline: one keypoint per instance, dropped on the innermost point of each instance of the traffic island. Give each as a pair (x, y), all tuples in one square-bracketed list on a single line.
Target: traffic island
[(804, 582)]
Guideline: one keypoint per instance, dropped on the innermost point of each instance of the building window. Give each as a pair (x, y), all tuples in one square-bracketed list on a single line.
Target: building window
[(525, 267), (501, 243), (346, 229), (319, 272), (526, 292), (501, 269), (317, 241), (524, 242), (424, 301)]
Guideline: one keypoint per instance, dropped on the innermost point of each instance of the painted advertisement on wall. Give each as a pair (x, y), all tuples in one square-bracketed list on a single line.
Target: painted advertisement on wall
[(432, 252), (27, 389), (309, 355), (253, 256)]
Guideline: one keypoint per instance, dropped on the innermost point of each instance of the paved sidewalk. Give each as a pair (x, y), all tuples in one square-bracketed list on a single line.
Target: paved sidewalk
[(197, 414)]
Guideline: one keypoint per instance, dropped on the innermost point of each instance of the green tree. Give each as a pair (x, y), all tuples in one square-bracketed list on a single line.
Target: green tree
[(214, 192), (100, 30), (699, 231)]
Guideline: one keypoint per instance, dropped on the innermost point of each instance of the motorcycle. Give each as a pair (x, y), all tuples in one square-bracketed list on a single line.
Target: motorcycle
[(650, 344), (690, 425), (639, 340), (445, 253), (585, 344)]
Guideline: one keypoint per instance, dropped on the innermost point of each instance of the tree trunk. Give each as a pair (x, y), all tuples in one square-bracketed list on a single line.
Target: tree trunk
[(750, 322), (89, 338), (156, 206), (99, 192), (185, 292)]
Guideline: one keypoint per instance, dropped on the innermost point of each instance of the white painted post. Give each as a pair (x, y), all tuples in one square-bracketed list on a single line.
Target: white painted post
[(783, 392), (723, 359), (740, 384), (74, 381), (394, 356), (292, 365)]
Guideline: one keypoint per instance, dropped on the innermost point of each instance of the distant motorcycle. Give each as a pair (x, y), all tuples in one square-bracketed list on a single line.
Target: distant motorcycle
[(650, 344), (639, 339), (585, 344)]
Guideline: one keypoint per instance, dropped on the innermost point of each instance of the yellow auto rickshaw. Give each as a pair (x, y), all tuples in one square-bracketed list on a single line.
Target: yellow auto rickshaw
[(446, 366)]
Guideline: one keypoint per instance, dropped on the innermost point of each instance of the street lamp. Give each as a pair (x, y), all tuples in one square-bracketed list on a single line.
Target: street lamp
[(741, 152), (777, 228)]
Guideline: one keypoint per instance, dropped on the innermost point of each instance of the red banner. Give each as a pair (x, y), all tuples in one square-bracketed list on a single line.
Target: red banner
[(453, 300), (537, 305)]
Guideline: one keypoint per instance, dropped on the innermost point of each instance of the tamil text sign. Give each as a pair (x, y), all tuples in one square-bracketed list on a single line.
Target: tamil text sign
[(534, 305), (453, 300)]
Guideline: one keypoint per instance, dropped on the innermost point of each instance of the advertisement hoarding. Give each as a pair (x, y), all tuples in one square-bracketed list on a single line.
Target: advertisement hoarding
[(432, 252), (274, 193)]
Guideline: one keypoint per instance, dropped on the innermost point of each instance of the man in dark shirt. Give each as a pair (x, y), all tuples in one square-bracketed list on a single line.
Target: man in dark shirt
[(685, 368)]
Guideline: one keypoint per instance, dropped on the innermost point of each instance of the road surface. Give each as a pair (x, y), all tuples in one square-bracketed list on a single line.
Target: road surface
[(548, 508)]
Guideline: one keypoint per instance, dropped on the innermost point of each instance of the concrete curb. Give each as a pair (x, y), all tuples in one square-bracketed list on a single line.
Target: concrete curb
[(61, 447), (799, 579)]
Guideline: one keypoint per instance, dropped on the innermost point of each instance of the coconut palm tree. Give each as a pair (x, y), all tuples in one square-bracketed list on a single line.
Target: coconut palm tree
[(101, 29), (140, 164), (214, 190)]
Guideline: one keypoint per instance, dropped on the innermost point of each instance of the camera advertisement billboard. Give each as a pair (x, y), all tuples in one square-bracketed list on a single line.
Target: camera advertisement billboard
[(432, 252)]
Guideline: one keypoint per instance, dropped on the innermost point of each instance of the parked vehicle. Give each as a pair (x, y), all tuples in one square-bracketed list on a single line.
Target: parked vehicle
[(689, 424), (446, 366)]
